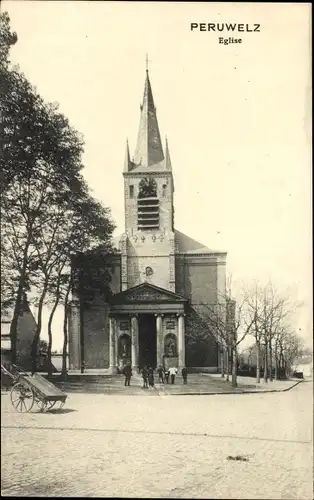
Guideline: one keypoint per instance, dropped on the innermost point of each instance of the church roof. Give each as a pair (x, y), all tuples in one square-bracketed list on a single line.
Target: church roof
[(185, 244), (116, 241)]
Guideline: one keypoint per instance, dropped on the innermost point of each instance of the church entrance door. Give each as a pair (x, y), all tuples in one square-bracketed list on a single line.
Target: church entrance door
[(147, 340)]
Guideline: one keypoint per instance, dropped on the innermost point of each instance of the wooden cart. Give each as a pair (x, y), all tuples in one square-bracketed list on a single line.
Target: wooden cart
[(33, 391)]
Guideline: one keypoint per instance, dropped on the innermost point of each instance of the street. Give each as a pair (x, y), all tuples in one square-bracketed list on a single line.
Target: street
[(164, 446)]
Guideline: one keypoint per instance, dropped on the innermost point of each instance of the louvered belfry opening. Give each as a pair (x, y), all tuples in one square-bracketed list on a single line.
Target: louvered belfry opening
[(148, 213), (147, 205)]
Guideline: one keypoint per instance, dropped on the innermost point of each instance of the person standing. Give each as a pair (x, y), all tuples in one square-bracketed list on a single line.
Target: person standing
[(167, 375), (173, 371), (145, 377), (128, 374), (160, 372), (151, 381), (184, 374)]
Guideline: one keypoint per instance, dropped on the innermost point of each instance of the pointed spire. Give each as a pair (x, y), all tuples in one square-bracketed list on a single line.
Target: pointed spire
[(146, 62), (167, 156), (149, 148), (127, 161)]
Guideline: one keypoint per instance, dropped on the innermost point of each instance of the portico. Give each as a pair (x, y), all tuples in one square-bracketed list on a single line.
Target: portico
[(146, 328)]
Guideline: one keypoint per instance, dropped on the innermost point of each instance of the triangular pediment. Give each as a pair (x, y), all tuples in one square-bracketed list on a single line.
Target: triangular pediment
[(146, 292)]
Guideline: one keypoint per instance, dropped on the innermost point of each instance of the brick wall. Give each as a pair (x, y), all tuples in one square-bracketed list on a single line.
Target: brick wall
[(96, 336), (200, 278), (221, 279), (180, 275), (201, 282)]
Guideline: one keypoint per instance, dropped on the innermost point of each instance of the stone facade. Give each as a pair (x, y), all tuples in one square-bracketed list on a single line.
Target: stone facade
[(157, 272)]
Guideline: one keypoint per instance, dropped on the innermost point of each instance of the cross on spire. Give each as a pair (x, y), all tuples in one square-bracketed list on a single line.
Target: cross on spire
[(147, 61)]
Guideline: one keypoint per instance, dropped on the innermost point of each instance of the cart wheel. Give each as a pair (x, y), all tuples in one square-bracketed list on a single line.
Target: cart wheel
[(59, 405), (44, 407), (22, 398), (40, 404)]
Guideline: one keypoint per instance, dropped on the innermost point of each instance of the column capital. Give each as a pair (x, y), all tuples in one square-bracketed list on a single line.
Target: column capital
[(180, 314), (159, 314)]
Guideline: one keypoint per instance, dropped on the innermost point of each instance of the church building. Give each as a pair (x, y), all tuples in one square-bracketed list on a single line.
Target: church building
[(158, 274)]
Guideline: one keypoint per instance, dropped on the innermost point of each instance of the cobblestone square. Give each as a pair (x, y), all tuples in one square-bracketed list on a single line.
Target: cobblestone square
[(165, 446)]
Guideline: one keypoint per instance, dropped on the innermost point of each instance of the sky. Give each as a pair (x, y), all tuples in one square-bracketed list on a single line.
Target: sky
[(237, 118)]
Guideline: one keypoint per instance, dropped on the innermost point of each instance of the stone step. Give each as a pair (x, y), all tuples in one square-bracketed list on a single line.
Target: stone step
[(103, 383)]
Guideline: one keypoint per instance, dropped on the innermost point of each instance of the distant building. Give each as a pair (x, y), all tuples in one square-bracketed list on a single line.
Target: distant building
[(158, 273), (26, 328)]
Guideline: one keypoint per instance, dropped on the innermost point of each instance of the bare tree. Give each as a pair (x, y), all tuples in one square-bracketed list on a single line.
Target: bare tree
[(289, 346), (228, 322), (269, 310)]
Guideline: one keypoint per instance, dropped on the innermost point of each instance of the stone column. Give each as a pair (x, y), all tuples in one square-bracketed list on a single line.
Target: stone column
[(134, 343), (116, 344), (159, 338), (112, 345), (181, 341), (74, 336)]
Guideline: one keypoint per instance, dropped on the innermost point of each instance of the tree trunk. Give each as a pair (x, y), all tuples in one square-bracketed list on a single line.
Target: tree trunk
[(228, 364), (65, 331), (38, 329), (50, 329), (281, 365), (276, 361), (276, 368), (234, 366), (222, 363), (265, 364), (18, 302), (65, 341), (14, 322), (258, 362), (270, 362)]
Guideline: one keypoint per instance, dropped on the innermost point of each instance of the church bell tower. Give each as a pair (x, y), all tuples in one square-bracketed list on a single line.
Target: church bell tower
[(147, 245)]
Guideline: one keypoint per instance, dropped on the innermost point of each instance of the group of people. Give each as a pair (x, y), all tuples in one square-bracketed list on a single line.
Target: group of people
[(163, 375), (148, 375)]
